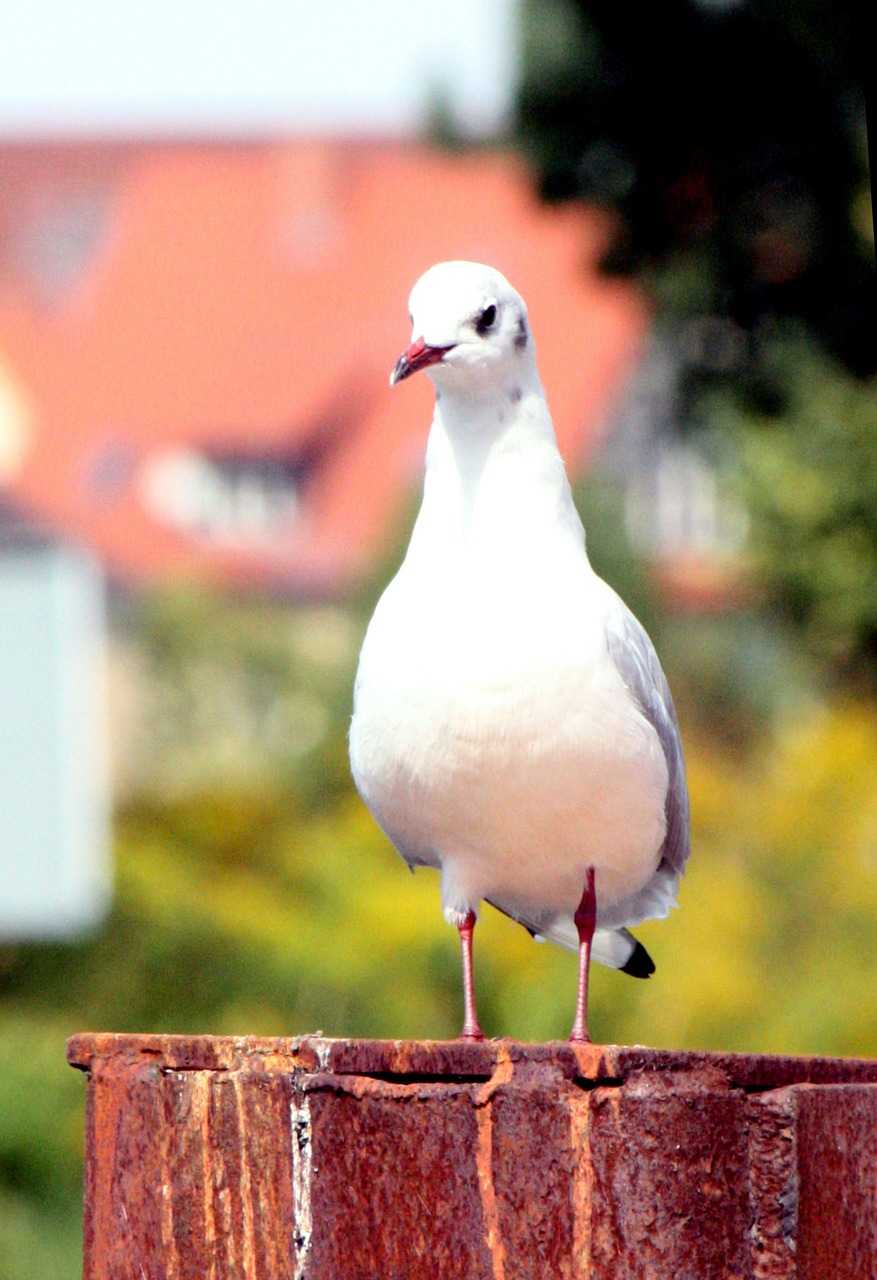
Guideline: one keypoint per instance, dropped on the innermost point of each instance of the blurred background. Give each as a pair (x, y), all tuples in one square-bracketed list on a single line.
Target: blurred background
[(210, 219)]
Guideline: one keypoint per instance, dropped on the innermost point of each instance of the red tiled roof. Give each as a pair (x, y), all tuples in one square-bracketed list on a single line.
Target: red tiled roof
[(251, 298)]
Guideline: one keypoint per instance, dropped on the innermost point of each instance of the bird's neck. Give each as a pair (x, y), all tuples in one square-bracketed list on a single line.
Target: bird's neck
[(494, 477)]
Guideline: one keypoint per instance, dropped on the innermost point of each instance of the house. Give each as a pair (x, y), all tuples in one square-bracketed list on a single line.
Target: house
[(195, 342)]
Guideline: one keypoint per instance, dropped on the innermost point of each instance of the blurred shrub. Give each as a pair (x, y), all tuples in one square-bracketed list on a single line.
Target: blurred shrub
[(808, 478), (264, 900)]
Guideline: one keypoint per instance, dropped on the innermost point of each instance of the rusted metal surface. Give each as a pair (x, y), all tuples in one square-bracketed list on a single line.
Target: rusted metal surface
[(315, 1159)]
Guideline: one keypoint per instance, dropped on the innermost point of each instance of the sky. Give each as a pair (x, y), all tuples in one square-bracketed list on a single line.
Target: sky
[(214, 66)]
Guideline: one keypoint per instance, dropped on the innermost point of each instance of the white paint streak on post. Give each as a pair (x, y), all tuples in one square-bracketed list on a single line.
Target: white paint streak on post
[(300, 1117)]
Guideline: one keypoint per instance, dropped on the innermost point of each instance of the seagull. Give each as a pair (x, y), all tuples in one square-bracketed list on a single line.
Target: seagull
[(512, 726)]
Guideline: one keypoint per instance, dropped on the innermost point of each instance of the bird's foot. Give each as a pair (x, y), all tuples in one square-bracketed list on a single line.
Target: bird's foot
[(472, 1034)]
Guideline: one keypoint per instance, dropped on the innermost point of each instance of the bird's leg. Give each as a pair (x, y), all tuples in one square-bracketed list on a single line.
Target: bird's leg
[(585, 918), (471, 1029)]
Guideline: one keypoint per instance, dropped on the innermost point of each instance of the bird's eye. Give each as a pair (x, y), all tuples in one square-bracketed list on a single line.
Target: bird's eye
[(486, 319)]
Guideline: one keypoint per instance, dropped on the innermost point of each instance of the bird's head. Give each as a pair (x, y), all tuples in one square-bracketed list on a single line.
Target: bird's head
[(470, 329)]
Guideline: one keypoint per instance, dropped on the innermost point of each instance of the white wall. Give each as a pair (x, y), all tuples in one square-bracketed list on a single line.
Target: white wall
[(54, 789)]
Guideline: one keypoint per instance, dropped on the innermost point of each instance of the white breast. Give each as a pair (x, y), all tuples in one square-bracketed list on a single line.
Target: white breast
[(492, 737)]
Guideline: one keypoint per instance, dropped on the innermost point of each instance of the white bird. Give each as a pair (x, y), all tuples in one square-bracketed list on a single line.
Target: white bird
[(512, 726)]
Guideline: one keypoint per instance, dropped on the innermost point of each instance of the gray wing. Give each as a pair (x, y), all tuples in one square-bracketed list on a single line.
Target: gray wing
[(637, 663), (635, 659)]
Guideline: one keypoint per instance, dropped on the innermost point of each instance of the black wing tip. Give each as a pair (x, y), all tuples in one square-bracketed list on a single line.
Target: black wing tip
[(640, 964)]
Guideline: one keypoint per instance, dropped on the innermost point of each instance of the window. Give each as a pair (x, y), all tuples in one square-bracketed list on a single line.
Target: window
[(231, 499)]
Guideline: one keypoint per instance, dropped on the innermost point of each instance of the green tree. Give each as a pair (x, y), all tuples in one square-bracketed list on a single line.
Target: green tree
[(730, 142), (808, 478), (267, 901)]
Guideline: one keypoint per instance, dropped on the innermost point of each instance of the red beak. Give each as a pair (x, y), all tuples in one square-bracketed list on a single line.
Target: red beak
[(418, 356)]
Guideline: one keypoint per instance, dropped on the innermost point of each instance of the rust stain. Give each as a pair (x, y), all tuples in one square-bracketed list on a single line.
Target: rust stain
[(223, 1197), (244, 1159), (503, 1073), (170, 1257), (594, 1061), (200, 1113), (484, 1165), (403, 1056), (582, 1187), (246, 1189), (100, 1228), (605, 1238)]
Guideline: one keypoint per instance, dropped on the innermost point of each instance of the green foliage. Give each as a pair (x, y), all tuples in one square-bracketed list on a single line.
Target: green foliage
[(233, 693), (730, 141), (808, 478), (41, 1143), (745, 215), (781, 902), (273, 905), (254, 894)]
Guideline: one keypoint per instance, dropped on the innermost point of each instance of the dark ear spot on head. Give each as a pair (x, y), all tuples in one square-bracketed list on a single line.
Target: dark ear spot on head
[(485, 320), (521, 337)]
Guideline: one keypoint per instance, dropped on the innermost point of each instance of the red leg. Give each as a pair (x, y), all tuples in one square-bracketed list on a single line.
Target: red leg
[(471, 1029), (585, 918)]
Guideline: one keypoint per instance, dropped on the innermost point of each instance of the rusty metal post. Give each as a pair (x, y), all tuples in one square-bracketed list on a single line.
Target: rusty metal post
[(313, 1159)]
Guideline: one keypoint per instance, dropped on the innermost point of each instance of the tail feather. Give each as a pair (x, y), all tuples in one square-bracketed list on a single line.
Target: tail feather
[(615, 948), (640, 964)]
